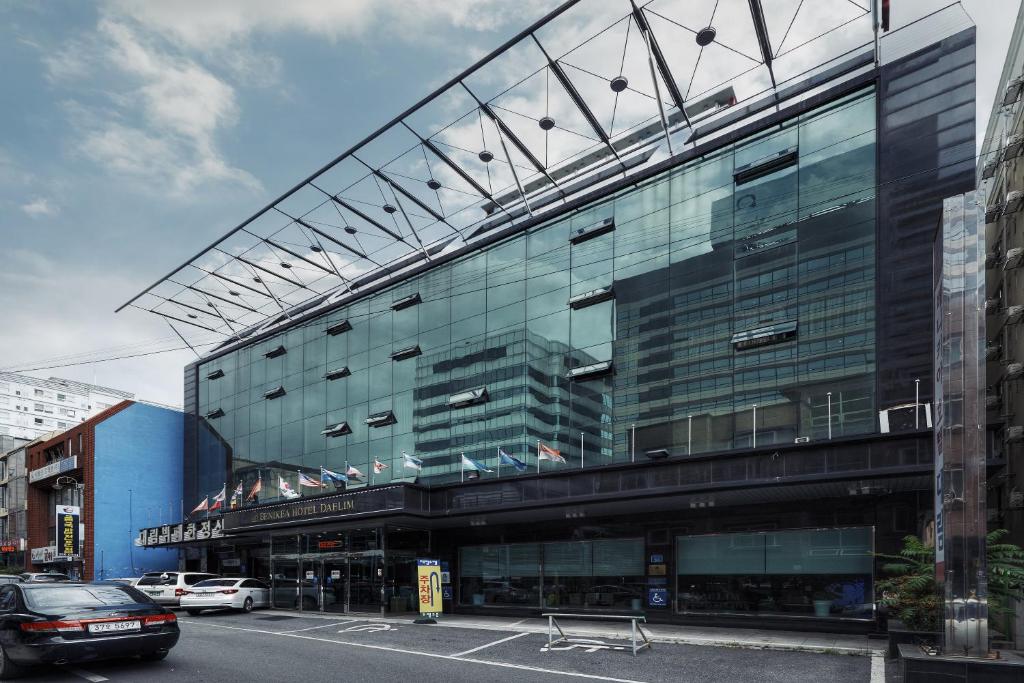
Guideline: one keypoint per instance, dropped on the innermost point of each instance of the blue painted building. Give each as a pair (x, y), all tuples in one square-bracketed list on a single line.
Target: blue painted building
[(123, 468)]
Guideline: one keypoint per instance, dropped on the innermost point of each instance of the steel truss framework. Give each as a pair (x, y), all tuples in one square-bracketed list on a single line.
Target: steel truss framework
[(511, 137)]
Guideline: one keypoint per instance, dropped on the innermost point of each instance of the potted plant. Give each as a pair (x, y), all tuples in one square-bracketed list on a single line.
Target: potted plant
[(823, 602), (909, 595)]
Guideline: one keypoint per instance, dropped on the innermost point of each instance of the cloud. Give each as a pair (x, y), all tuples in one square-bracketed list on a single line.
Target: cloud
[(40, 207)]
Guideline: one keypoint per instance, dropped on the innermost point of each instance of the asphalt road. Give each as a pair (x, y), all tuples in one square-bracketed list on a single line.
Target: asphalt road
[(261, 648)]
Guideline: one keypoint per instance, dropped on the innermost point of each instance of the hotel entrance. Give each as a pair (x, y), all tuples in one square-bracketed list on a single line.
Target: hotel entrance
[(347, 571)]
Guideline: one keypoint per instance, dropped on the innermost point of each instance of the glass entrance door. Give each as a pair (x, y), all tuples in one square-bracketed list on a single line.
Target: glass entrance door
[(334, 584), (365, 578), (284, 585)]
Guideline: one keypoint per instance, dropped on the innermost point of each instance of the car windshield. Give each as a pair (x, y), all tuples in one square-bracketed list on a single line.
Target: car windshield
[(216, 582), (65, 597), (158, 580)]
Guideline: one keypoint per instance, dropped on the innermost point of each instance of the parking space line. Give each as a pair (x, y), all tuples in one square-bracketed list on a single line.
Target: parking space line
[(313, 628), (497, 642), (485, 662), (82, 673), (877, 668)]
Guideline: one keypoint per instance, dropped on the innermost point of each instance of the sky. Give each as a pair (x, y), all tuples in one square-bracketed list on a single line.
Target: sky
[(135, 132)]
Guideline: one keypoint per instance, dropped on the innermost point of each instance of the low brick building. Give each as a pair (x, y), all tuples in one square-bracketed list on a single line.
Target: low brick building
[(119, 468)]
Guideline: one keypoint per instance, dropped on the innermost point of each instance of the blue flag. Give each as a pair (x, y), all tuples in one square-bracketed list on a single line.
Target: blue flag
[(336, 477), (471, 464), (506, 459)]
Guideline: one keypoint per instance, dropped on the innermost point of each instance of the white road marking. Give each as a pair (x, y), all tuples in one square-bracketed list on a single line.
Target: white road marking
[(82, 673), (313, 628), (497, 642), (372, 628), (877, 668), (504, 665)]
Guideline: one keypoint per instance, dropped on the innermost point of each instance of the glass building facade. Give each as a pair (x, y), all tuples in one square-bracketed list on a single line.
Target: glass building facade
[(725, 304), (731, 355)]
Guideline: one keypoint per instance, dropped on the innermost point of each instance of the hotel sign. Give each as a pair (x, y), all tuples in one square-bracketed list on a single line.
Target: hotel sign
[(313, 509)]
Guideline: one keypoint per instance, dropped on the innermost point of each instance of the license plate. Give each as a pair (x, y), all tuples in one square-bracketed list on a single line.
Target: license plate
[(115, 626)]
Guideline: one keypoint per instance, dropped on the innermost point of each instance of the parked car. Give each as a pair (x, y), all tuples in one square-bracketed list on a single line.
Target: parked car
[(233, 593), (125, 581), (166, 588), (71, 622), (43, 577)]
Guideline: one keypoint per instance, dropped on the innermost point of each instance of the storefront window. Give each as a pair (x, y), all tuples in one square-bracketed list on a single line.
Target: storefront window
[(812, 572), (585, 574)]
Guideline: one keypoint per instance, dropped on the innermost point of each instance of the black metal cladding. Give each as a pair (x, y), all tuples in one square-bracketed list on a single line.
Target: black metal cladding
[(926, 152), (216, 374), (337, 373), (277, 392), (275, 352), (407, 301)]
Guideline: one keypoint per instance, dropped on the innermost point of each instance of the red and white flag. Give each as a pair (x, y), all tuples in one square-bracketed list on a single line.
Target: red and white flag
[(218, 500), (548, 453), (353, 473), (378, 466), (256, 488), (205, 505)]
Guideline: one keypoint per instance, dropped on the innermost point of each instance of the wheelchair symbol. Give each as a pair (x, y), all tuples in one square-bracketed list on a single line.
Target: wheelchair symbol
[(656, 598)]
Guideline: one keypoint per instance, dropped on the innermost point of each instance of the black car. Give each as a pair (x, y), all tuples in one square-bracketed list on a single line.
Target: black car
[(69, 622)]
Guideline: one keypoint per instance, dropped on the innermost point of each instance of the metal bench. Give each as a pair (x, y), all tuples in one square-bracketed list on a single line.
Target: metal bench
[(633, 619)]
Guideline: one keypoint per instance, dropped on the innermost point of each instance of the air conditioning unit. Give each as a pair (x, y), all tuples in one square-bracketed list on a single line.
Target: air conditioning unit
[(989, 169), (1013, 371), (1013, 258), (1014, 200), (1013, 314), (1014, 143), (1012, 92), (1013, 434)]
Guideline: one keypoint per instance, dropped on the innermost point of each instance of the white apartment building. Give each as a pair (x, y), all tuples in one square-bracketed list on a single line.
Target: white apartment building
[(30, 407)]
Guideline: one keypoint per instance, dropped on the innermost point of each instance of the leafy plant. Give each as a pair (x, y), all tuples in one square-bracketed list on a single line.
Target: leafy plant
[(1005, 573), (910, 592)]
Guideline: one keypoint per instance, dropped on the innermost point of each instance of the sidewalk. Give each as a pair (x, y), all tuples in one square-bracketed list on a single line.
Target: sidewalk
[(833, 643)]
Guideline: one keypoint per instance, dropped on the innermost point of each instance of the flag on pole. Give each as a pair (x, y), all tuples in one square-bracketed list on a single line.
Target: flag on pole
[(353, 473), (334, 477), (285, 489), (547, 453), (256, 488), (412, 462), (205, 505), (506, 459), (236, 496), (378, 466), (218, 500), (471, 464), (305, 480)]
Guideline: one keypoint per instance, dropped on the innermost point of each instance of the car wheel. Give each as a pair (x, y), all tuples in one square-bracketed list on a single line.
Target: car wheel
[(9, 669), (194, 612), (154, 656), (247, 605)]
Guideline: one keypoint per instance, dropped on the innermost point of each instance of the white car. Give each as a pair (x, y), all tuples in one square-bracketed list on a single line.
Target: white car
[(166, 588), (234, 593)]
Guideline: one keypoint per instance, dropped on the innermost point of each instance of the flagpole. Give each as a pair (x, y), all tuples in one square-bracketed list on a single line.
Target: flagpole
[(581, 450), (538, 456), (499, 462), (462, 467)]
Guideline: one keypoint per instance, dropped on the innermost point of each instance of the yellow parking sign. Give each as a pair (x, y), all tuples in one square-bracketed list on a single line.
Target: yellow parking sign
[(429, 587)]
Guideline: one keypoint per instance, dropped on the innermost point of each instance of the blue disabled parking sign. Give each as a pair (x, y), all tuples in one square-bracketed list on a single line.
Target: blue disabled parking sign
[(657, 597)]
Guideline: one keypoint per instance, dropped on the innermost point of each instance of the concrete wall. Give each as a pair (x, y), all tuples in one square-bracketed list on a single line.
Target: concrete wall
[(137, 475)]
